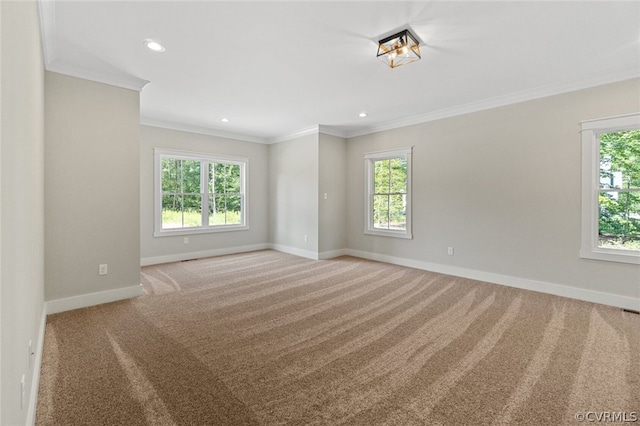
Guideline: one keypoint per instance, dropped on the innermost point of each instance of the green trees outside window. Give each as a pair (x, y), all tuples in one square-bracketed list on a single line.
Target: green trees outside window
[(619, 194), (225, 197), (200, 193), (390, 193), (181, 199)]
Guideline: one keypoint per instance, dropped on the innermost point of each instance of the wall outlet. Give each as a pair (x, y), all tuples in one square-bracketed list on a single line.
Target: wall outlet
[(326, 196), (186, 240), (450, 251), (306, 238), (102, 269)]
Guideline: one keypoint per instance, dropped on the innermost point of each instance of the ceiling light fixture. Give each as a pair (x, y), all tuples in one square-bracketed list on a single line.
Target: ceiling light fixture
[(225, 120), (362, 115), (399, 49), (154, 45)]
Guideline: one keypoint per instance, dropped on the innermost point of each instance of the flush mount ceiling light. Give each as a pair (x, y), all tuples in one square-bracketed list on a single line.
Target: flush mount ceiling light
[(154, 45), (225, 120), (399, 49), (362, 115)]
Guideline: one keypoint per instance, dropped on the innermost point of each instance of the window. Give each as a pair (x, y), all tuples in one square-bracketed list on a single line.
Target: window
[(611, 189), (199, 193), (388, 193)]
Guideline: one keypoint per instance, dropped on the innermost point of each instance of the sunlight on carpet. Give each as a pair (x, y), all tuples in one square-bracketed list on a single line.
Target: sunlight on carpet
[(266, 338)]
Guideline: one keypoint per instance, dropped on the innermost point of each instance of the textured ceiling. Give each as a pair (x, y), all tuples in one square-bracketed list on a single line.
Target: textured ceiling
[(277, 68)]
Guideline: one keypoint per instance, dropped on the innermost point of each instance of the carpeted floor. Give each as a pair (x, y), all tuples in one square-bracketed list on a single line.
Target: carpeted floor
[(266, 338)]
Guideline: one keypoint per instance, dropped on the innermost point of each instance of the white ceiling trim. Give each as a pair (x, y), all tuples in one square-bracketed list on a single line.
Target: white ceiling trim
[(312, 130), (47, 12), (328, 130), (498, 101), (146, 121), (122, 80)]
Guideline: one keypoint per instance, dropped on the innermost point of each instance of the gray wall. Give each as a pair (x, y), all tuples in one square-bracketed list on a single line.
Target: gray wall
[(293, 192), (173, 246), (22, 208), (332, 211), (502, 187), (92, 189)]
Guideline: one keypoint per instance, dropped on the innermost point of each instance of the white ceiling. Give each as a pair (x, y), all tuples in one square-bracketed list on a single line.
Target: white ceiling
[(277, 68)]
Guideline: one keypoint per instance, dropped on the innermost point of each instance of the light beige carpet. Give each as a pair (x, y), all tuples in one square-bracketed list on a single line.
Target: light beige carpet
[(266, 338)]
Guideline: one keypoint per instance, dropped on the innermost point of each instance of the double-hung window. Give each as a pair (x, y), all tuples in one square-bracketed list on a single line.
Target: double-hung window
[(199, 193), (388, 193), (611, 189)]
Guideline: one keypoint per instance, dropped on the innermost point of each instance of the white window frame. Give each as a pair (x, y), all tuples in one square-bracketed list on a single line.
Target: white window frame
[(160, 153), (369, 159), (591, 131)]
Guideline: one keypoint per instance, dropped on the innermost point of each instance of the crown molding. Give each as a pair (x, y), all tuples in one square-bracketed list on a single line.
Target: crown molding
[(509, 99), (170, 125), (328, 130), (122, 80), (47, 12), (312, 130)]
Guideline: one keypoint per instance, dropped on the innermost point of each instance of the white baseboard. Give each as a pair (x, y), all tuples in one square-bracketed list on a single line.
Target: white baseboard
[(37, 362), (295, 251), (594, 296), (91, 299), (146, 261), (331, 254)]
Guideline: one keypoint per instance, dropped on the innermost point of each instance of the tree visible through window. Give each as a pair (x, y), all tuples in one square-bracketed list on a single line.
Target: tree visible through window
[(388, 193), (181, 199), (225, 195), (199, 193), (611, 189), (619, 196)]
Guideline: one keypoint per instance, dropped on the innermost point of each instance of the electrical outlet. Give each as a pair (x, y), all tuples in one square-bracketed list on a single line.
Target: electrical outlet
[(102, 269), (450, 251), (306, 238), (186, 240)]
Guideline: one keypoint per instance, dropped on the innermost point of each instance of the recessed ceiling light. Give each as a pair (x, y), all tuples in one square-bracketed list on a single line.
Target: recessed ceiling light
[(362, 115), (225, 120), (154, 45)]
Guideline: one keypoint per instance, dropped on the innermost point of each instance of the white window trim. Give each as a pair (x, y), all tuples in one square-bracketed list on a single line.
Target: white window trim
[(204, 229), (369, 158), (591, 131)]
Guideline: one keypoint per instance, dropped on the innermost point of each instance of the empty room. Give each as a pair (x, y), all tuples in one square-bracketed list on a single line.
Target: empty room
[(319, 212)]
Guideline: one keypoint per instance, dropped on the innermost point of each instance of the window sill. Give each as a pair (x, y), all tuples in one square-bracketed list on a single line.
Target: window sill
[(393, 234), (201, 230), (611, 255)]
